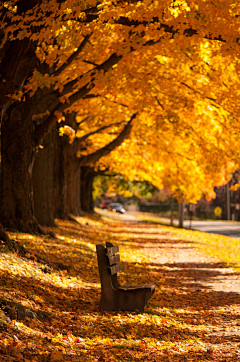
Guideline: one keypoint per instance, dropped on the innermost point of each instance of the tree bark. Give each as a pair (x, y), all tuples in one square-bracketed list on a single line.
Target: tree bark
[(67, 175), (18, 59), (16, 66), (87, 177), (60, 181), (181, 206), (43, 182), (18, 153), (73, 189)]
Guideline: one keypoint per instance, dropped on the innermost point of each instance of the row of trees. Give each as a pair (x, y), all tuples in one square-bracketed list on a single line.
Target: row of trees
[(166, 71), (63, 171)]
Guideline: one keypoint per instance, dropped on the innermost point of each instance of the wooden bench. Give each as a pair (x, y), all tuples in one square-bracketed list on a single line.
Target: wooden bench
[(113, 295)]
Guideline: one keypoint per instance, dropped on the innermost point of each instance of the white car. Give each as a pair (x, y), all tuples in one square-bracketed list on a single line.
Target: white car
[(116, 207)]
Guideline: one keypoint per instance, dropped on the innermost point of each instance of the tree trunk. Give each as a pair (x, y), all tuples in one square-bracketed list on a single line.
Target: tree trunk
[(43, 182), (67, 183), (181, 207), (228, 210), (73, 189), (18, 59), (87, 177), (66, 176), (18, 62), (74, 195), (18, 152), (60, 184)]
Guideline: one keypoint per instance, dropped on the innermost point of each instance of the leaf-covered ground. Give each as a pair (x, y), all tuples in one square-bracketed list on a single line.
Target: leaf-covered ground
[(49, 299)]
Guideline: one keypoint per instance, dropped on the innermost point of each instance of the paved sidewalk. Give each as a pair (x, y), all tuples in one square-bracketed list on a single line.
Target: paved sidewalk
[(202, 271), (207, 287)]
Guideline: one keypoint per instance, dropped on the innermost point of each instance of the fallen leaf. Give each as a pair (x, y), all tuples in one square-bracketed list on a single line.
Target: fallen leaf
[(56, 356)]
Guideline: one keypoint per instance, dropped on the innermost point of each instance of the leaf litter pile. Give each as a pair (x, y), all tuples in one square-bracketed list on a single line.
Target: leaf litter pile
[(49, 298)]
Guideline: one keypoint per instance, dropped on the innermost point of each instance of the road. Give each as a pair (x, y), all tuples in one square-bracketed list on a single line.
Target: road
[(227, 228)]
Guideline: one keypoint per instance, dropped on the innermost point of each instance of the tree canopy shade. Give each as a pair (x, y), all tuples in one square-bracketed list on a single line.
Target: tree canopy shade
[(56, 54)]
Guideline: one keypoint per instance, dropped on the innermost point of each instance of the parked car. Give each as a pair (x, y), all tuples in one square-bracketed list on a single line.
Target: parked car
[(116, 207), (105, 204)]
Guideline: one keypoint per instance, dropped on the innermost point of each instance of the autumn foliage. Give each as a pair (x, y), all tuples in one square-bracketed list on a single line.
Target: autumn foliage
[(174, 64)]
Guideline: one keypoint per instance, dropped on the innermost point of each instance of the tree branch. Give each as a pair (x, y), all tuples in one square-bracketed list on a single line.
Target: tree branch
[(95, 156), (217, 105), (168, 29), (105, 66), (160, 104), (81, 139), (73, 56), (42, 129), (92, 63)]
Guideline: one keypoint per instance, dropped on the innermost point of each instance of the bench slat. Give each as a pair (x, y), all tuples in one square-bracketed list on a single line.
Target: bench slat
[(115, 268), (114, 259), (113, 250)]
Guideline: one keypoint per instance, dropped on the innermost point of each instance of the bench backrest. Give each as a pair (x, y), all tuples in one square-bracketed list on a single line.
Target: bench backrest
[(108, 265), (113, 259)]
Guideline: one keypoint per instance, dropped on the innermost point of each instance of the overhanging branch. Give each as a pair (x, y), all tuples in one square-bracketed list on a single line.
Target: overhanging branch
[(73, 56), (105, 66), (43, 128), (95, 156), (99, 130)]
